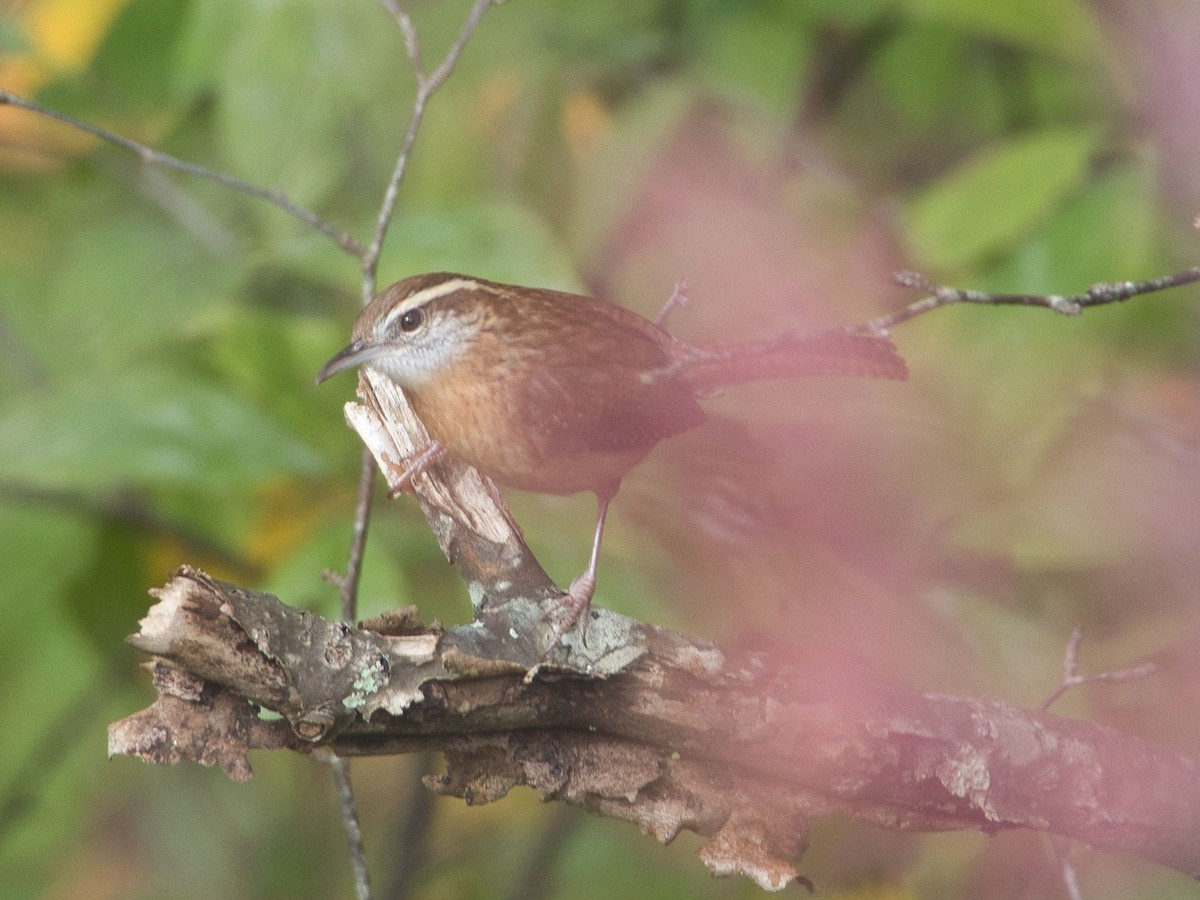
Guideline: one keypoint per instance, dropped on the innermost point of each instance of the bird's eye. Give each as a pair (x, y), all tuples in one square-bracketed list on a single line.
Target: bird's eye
[(411, 320)]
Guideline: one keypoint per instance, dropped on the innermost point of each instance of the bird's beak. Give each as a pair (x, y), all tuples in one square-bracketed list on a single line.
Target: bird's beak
[(353, 354)]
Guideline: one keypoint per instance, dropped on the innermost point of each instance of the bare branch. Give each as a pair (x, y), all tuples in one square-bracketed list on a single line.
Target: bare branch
[(1066, 868), (427, 85), (412, 46), (369, 258), (149, 155), (1068, 305), (353, 828), (648, 726), (347, 585), (466, 512), (678, 298), (442, 72), (1071, 678)]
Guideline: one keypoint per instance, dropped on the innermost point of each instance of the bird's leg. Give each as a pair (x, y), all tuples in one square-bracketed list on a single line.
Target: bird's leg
[(415, 465), (578, 601)]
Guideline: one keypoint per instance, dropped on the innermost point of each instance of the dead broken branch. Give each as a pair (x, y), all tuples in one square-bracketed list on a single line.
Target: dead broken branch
[(643, 725)]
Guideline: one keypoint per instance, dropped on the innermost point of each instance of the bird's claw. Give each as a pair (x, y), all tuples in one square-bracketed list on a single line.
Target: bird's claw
[(572, 610)]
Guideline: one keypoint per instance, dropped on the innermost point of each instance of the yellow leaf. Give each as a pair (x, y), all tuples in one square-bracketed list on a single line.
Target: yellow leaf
[(63, 36), (66, 33)]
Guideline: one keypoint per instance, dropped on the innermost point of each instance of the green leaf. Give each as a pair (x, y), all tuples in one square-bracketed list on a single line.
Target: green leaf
[(1105, 233), (108, 597), (269, 359), (931, 82), (1061, 27), (756, 58), (294, 82), (1111, 231), (500, 240), (41, 552), (819, 13), (137, 54), (46, 669), (122, 289), (13, 39), (149, 427), (987, 203)]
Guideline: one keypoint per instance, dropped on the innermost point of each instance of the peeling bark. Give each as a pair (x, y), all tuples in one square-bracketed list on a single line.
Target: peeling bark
[(638, 723), (644, 725)]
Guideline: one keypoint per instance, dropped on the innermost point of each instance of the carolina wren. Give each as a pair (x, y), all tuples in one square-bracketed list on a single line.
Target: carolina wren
[(558, 393)]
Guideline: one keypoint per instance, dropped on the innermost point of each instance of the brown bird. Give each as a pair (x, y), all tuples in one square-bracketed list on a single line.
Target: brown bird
[(558, 393)]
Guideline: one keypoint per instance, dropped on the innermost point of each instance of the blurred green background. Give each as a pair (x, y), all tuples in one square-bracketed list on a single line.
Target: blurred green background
[(159, 337)]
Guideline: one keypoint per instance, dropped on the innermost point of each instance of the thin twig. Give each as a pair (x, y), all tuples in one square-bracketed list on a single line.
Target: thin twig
[(1066, 868), (348, 586), (149, 155), (427, 85), (1068, 305), (678, 298), (358, 854), (1070, 678), (185, 208)]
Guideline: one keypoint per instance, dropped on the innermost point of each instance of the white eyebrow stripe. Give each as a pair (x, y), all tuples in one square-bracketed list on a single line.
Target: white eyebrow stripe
[(421, 297)]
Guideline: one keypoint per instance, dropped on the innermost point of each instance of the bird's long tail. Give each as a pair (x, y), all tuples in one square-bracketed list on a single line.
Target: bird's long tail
[(712, 367)]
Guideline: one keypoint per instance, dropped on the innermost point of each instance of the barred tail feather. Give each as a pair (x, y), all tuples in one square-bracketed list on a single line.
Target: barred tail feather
[(716, 366)]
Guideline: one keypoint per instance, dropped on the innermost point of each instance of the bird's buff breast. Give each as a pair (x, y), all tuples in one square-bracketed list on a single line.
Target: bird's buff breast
[(470, 418)]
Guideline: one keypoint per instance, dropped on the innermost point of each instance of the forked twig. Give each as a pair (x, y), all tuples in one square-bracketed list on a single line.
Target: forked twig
[(1098, 294), (150, 156), (427, 86), (678, 298), (1071, 678), (368, 256)]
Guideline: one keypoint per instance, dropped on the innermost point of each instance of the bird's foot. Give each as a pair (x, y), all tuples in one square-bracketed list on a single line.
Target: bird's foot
[(414, 465), (573, 610)]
